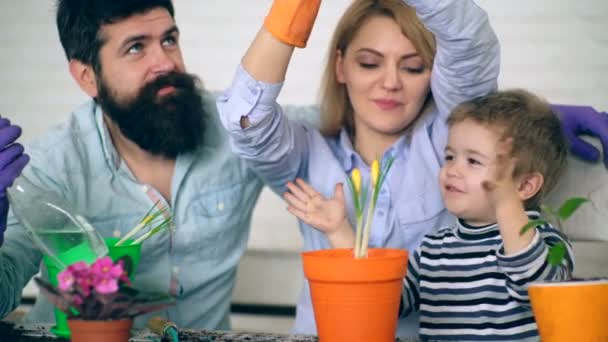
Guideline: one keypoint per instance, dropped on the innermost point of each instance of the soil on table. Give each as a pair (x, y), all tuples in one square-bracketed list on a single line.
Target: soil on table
[(10, 332)]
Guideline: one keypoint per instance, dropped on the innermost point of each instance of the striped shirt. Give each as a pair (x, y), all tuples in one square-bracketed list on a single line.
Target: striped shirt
[(466, 289)]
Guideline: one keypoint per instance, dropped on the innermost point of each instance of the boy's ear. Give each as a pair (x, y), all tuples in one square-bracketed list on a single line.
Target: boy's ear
[(84, 75), (529, 185)]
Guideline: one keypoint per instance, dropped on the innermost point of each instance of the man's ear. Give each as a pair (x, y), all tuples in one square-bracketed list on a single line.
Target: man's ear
[(529, 185), (340, 67), (84, 75)]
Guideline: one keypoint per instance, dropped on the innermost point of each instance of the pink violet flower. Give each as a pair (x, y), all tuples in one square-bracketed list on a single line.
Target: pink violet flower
[(106, 286), (78, 267), (77, 300), (105, 268), (102, 276), (124, 277), (66, 279), (84, 284)]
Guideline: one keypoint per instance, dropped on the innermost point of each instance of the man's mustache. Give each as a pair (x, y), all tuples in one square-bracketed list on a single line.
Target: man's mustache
[(173, 79)]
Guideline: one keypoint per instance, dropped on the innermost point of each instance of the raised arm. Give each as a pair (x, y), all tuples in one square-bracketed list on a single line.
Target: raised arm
[(468, 56), (532, 264), (258, 130)]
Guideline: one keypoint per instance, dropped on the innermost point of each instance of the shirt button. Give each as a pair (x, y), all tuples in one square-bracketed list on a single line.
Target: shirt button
[(220, 206), (144, 188)]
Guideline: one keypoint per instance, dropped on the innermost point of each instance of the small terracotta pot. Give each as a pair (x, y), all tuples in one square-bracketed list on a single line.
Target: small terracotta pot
[(355, 299), (100, 331), (571, 311)]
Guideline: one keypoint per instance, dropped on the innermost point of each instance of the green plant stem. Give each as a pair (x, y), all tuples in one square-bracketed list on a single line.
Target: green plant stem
[(161, 227), (358, 236), (141, 225), (143, 237), (366, 231)]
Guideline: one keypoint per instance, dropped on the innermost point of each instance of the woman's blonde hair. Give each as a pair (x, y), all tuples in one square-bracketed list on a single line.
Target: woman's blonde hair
[(336, 109)]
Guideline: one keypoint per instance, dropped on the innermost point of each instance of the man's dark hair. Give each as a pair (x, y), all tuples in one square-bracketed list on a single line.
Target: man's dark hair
[(79, 23)]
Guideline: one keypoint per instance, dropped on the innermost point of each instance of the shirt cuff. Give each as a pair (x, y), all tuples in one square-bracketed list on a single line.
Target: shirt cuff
[(257, 97)]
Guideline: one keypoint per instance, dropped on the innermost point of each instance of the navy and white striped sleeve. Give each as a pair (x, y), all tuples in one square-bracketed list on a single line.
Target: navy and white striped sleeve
[(532, 265)]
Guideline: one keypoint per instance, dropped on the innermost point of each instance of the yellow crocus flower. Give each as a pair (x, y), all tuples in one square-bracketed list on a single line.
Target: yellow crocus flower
[(375, 172), (355, 176)]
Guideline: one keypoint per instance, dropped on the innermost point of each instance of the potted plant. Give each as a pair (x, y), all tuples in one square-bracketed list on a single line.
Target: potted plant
[(572, 310), (98, 300), (356, 292), (125, 252)]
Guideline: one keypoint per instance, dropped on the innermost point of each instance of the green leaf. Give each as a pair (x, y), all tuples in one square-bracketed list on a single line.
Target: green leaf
[(351, 186), (531, 225), (570, 206), (557, 253), (382, 176)]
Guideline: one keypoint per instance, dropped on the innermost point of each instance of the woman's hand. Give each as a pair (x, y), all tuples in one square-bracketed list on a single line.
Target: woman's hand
[(326, 215)]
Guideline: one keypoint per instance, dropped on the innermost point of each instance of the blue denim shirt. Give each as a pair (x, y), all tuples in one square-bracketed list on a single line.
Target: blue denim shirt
[(409, 205), (213, 194)]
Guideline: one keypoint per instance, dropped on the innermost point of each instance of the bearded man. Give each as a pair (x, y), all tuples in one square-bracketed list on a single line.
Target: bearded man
[(148, 135)]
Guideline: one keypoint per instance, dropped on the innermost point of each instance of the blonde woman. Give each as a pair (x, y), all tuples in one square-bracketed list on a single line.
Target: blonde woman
[(394, 72)]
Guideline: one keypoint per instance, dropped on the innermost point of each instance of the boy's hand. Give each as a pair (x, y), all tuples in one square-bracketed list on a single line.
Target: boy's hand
[(508, 206), (500, 183), (326, 215)]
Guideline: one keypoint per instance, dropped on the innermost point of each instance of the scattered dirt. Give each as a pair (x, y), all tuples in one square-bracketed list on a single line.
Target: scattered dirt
[(10, 332)]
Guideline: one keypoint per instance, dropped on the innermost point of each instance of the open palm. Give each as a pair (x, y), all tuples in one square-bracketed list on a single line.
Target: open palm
[(305, 203)]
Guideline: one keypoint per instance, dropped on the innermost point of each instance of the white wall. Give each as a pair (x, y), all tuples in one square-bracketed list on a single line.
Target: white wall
[(557, 48)]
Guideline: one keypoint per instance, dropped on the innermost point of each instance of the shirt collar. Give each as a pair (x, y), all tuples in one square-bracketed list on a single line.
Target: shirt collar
[(350, 156), (468, 232), (109, 151), (351, 159)]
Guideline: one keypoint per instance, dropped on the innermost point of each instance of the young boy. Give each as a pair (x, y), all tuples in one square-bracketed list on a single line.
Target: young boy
[(505, 151)]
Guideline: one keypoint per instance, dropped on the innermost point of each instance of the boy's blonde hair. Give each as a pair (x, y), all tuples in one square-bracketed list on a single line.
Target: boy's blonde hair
[(336, 109), (538, 142)]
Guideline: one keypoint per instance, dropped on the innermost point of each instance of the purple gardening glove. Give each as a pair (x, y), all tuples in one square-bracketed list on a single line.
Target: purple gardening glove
[(584, 120), (12, 161)]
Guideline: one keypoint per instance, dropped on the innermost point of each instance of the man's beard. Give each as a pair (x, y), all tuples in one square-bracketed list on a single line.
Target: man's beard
[(167, 125)]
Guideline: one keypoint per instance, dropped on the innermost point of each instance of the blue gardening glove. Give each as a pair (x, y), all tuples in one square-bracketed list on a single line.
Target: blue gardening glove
[(12, 161), (578, 120)]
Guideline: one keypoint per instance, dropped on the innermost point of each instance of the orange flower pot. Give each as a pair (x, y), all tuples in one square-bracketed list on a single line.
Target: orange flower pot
[(100, 331), (571, 311), (355, 299)]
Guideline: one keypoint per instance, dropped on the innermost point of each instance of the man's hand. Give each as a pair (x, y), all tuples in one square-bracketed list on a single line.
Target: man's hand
[(12, 161), (584, 120), (326, 215)]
